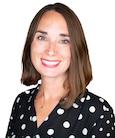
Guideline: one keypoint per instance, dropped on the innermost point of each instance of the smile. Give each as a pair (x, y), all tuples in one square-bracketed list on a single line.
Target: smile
[(50, 63)]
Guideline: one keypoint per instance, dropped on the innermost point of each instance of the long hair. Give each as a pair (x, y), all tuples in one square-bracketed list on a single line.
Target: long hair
[(79, 72)]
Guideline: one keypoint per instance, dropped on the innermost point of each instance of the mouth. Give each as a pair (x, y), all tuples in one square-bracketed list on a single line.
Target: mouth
[(50, 63)]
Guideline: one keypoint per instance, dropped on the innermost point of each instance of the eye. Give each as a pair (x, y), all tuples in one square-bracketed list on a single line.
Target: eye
[(65, 41), (41, 37)]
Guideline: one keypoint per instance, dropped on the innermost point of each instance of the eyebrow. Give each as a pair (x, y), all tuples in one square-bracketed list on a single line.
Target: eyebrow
[(43, 32), (65, 35)]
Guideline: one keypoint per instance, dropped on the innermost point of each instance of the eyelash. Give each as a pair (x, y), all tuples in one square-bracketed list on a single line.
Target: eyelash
[(63, 41), (41, 37)]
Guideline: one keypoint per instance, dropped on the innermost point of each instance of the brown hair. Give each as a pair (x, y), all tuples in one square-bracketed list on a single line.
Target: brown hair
[(79, 72)]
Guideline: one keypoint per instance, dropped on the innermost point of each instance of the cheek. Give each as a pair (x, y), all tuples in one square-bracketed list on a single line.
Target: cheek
[(66, 57), (67, 54), (34, 54), (36, 50)]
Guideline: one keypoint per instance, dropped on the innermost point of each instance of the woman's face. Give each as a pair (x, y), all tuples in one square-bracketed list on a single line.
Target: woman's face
[(50, 49)]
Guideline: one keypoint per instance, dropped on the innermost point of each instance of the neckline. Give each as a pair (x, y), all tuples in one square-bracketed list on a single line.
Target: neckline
[(51, 114)]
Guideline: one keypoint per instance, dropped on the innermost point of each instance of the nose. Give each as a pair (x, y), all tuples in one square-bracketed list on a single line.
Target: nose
[(51, 48)]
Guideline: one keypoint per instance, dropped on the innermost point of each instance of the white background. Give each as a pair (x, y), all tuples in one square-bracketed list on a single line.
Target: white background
[(98, 20)]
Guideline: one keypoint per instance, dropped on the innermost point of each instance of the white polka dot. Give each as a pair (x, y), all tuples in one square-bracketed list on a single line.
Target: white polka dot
[(18, 99), (88, 97), (80, 117), (34, 118), (60, 111), (14, 136), (30, 118), (101, 100), (50, 132), (112, 128), (28, 137), (39, 82), (29, 107), (21, 117), (92, 109), (107, 121), (11, 117), (94, 124), (71, 136), (102, 116), (93, 136), (108, 135), (66, 124), (37, 136), (114, 123), (82, 99), (12, 133), (75, 105), (29, 99), (111, 115), (27, 92), (23, 126), (105, 108), (101, 129), (85, 131)]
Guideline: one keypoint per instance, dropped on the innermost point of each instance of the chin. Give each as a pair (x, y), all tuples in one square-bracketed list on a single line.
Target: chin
[(53, 75)]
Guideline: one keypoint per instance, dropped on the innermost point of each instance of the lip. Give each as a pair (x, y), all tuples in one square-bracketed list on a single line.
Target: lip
[(50, 63)]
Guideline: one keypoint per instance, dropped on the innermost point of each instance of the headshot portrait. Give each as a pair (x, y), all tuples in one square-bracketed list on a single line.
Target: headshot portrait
[(58, 97)]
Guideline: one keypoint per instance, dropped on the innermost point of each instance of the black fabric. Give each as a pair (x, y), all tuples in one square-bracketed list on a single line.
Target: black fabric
[(90, 117)]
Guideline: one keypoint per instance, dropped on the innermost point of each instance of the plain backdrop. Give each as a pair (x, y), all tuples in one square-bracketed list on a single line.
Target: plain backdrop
[(98, 21)]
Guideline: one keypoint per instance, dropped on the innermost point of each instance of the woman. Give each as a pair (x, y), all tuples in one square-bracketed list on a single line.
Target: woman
[(56, 53)]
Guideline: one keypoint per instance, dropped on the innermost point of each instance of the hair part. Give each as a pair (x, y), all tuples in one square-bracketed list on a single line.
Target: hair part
[(79, 72)]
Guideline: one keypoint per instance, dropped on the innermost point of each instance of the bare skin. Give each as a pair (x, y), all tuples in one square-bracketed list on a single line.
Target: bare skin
[(50, 54)]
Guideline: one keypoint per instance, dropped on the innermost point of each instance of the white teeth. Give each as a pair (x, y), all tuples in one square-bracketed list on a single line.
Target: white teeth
[(50, 62)]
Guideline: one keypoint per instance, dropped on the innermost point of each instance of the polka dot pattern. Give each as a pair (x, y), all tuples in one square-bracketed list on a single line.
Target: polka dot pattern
[(102, 116), (21, 117), (66, 124), (92, 109), (75, 105), (88, 97), (85, 131), (23, 126), (50, 132), (37, 136), (80, 117), (86, 114), (101, 100), (93, 136), (18, 99), (28, 137), (82, 99), (60, 111), (71, 136), (101, 129)]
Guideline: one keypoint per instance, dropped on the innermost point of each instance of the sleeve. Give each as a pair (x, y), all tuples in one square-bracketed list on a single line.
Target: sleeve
[(104, 127), (11, 130)]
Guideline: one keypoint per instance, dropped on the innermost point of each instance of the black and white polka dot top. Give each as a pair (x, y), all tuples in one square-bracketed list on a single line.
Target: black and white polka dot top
[(90, 117)]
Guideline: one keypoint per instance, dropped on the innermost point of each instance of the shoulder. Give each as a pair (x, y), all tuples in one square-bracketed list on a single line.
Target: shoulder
[(98, 102), (25, 96), (94, 109), (94, 106)]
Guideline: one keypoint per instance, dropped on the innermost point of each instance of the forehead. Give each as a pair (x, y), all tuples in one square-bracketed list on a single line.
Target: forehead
[(52, 19)]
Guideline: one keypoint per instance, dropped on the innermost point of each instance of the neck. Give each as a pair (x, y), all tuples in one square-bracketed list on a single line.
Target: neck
[(52, 88)]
